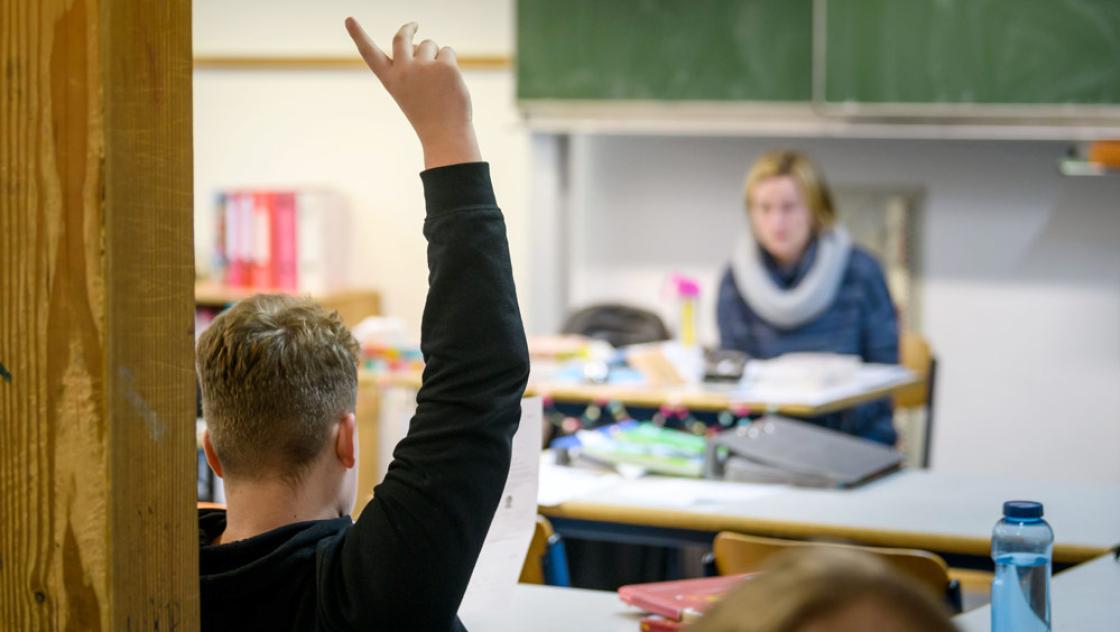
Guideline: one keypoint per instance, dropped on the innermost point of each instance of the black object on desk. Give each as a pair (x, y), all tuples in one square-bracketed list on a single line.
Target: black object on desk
[(778, 450), (724, 365)]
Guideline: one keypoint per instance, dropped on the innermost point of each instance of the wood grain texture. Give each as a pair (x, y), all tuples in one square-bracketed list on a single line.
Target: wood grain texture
[(368, 416), (97, 527)]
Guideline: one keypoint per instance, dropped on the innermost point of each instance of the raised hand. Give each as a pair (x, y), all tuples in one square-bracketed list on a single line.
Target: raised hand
[(427, 85)]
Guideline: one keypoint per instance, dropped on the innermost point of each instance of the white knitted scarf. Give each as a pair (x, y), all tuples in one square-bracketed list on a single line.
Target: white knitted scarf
[(789, 309)]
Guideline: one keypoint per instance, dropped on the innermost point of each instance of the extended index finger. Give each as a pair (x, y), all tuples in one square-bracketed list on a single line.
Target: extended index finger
[(377, 61)]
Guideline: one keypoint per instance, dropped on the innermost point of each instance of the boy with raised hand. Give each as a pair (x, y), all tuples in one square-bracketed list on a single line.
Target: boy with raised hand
[(279, 386)]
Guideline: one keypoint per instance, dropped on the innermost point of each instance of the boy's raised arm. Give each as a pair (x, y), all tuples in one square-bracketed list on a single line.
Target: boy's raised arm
[(407, 561), (426, 83)]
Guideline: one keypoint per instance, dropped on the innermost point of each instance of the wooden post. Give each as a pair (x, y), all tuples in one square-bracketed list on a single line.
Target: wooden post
[(368, 414), (97, 456)]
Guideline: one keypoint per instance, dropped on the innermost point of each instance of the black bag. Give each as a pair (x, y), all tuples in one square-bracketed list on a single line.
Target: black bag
[(620, 325)]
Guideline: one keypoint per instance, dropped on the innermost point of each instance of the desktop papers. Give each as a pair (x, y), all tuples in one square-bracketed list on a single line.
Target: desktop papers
[(680, 493), (560, 484), (802, 382), (507, 542)]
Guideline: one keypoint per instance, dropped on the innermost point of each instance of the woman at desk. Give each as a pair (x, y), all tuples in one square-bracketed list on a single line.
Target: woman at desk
[(797, 283)]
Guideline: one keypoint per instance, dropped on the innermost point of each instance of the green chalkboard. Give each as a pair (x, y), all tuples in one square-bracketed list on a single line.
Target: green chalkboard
[(973, 51), (749, 50)]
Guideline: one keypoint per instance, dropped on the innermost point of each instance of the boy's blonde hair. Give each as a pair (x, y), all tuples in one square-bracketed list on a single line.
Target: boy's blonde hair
[(802, 588), (808, 179), (275, 371)]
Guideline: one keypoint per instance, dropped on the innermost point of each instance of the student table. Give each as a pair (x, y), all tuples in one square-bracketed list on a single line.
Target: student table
[(715, 398), (951, 514), (1083, 598), (550, 609), (870, 383)]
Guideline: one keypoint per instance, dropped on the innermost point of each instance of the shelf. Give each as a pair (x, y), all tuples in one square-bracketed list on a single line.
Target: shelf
[(209, 293), (353, 304)]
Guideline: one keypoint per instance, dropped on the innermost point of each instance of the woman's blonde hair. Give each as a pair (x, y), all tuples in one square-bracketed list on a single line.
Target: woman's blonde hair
[(805, 587), (808, 179)]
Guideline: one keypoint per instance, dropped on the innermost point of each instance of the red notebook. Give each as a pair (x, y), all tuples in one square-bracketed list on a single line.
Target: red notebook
[(682, 599)]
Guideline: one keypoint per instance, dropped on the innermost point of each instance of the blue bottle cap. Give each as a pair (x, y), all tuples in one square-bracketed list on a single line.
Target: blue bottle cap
[(1022, 509)]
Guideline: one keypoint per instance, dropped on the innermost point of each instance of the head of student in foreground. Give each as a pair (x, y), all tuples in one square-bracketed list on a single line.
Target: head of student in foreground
[(788, 204), (820, 589), (279, 385)]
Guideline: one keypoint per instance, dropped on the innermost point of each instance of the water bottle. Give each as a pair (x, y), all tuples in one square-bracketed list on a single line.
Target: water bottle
[(1021, 548)]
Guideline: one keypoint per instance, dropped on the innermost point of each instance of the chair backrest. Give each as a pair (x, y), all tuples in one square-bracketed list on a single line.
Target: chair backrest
[(737, 553), (915, 354), (619, 325), (532, 572), (546, 561)]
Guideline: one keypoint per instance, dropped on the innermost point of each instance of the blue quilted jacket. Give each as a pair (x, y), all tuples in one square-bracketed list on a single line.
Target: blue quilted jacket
[(860, 321)]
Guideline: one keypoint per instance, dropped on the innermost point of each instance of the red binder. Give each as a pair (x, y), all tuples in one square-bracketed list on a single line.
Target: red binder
[(682, 600), (260, 266), (285, 258)]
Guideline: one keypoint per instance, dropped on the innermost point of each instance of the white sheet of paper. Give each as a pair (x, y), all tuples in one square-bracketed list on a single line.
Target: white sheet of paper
[(507, 542), (866, 378), (658, 491), (559, 484)]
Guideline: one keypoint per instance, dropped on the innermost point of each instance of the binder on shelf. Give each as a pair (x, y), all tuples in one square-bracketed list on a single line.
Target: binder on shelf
[(321, 223), (281, 240), (219, 259), (236, 274), (260, 268)]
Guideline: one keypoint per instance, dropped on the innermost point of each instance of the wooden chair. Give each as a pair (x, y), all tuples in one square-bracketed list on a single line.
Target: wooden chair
[(916, 354), (735, 553), (545, 563)]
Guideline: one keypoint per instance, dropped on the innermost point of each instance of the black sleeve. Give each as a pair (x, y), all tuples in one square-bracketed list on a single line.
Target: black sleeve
[(407, 560)]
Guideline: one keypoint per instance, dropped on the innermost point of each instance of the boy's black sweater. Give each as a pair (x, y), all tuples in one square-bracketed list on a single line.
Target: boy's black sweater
[(405, 563)]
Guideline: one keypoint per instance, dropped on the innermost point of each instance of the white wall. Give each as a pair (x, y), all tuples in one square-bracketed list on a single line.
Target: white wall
[(338, 128), (280, 27), (1021, 269)]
